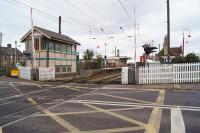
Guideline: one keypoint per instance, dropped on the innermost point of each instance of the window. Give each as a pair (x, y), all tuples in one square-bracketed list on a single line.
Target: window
[(69, 48), (69, 68), (37, 43), (57, 69), (64, 69), (74, 48), (57, 47), (64, 47), (51, 46), (43, 44)]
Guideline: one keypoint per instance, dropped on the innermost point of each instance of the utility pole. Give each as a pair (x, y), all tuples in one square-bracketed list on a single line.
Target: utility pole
[(34, 65), (135, 39), (15, 52), (168, 27), (1, 35)]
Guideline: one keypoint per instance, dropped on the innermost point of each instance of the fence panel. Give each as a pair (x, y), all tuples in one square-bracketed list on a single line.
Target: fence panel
[(186, 73), (156, 74), (46, 73), (170, 73)]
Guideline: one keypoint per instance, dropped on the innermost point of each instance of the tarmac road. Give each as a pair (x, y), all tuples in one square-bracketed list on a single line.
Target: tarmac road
[(75, 108)]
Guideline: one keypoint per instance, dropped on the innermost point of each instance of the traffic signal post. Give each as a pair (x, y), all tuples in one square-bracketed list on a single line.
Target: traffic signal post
[(148, 49)]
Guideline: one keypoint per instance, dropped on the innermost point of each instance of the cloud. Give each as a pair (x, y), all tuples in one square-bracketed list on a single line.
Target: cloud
[(79, 16)]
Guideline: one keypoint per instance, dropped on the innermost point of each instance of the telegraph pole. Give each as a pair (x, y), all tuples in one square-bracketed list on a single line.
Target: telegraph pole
[(15, 52), (34, 63), (135, 39), (168, 27), (1, 35)]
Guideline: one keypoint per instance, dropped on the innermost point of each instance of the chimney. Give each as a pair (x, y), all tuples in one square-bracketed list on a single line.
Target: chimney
[(115, 51), (59, 25), (9, 45)]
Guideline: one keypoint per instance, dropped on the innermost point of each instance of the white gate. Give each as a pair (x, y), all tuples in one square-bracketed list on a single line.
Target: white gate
[(25, 72), (170, 73)]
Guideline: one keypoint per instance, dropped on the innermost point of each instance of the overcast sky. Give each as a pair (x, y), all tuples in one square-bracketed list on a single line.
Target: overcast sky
[(79, 15)]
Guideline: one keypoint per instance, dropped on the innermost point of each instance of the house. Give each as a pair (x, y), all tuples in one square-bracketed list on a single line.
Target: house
[(51, 50), (8, 58), (171, 52)]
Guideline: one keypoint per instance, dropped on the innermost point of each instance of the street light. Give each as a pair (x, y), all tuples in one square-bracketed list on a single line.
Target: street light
[(189, 35), (105, 54)]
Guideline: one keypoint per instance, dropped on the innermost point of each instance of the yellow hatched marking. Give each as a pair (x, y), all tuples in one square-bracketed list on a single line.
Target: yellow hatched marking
[(1, 130), (115, 130), (31, 100), (89, 112), (62, 122), (116, 115), (119, 97), (58, 119), (153, 125), (72, 88)]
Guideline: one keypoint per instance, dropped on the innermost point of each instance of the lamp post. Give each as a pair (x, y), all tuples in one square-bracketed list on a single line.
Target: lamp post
[(189, 35), (105, 54)]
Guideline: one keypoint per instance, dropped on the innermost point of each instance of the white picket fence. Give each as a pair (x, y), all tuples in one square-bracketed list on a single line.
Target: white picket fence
[(170, 73), (46, 73)]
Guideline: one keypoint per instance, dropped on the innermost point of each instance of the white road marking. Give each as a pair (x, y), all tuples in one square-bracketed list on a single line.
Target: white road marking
[(177, 122), (14, 87), (126, 104)]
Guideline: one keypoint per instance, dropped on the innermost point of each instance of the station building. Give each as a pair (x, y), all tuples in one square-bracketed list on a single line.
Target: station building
[(51, 50)]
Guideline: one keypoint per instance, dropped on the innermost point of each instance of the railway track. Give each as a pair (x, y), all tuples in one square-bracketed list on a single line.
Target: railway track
[(102, 77)]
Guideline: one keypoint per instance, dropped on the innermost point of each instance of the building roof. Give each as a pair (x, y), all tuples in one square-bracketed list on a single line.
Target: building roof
[(175, 51), (51, 35), (10, 51)]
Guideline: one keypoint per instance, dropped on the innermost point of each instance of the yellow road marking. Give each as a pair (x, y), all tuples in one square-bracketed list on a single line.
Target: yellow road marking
[(62, 122), (153, 125), (131, 99), (1, 130), (115, 130), (116, 115), (31, 100), (72, 88), (89, 112), (58, 119)]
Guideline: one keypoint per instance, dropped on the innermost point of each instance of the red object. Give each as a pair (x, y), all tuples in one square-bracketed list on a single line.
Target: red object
[(142, 59)]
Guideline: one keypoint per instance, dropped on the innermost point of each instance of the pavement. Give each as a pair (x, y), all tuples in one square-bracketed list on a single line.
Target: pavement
[(27, 107)]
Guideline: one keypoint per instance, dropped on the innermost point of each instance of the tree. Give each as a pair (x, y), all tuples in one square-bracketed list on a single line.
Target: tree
[(191, 58), (178, 59), (88, 54)]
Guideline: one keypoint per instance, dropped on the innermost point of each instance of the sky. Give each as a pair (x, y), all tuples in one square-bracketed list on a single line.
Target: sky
[(83, 20)]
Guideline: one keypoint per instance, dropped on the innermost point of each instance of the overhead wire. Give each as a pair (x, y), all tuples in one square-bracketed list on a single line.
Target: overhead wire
[(51, 17)]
